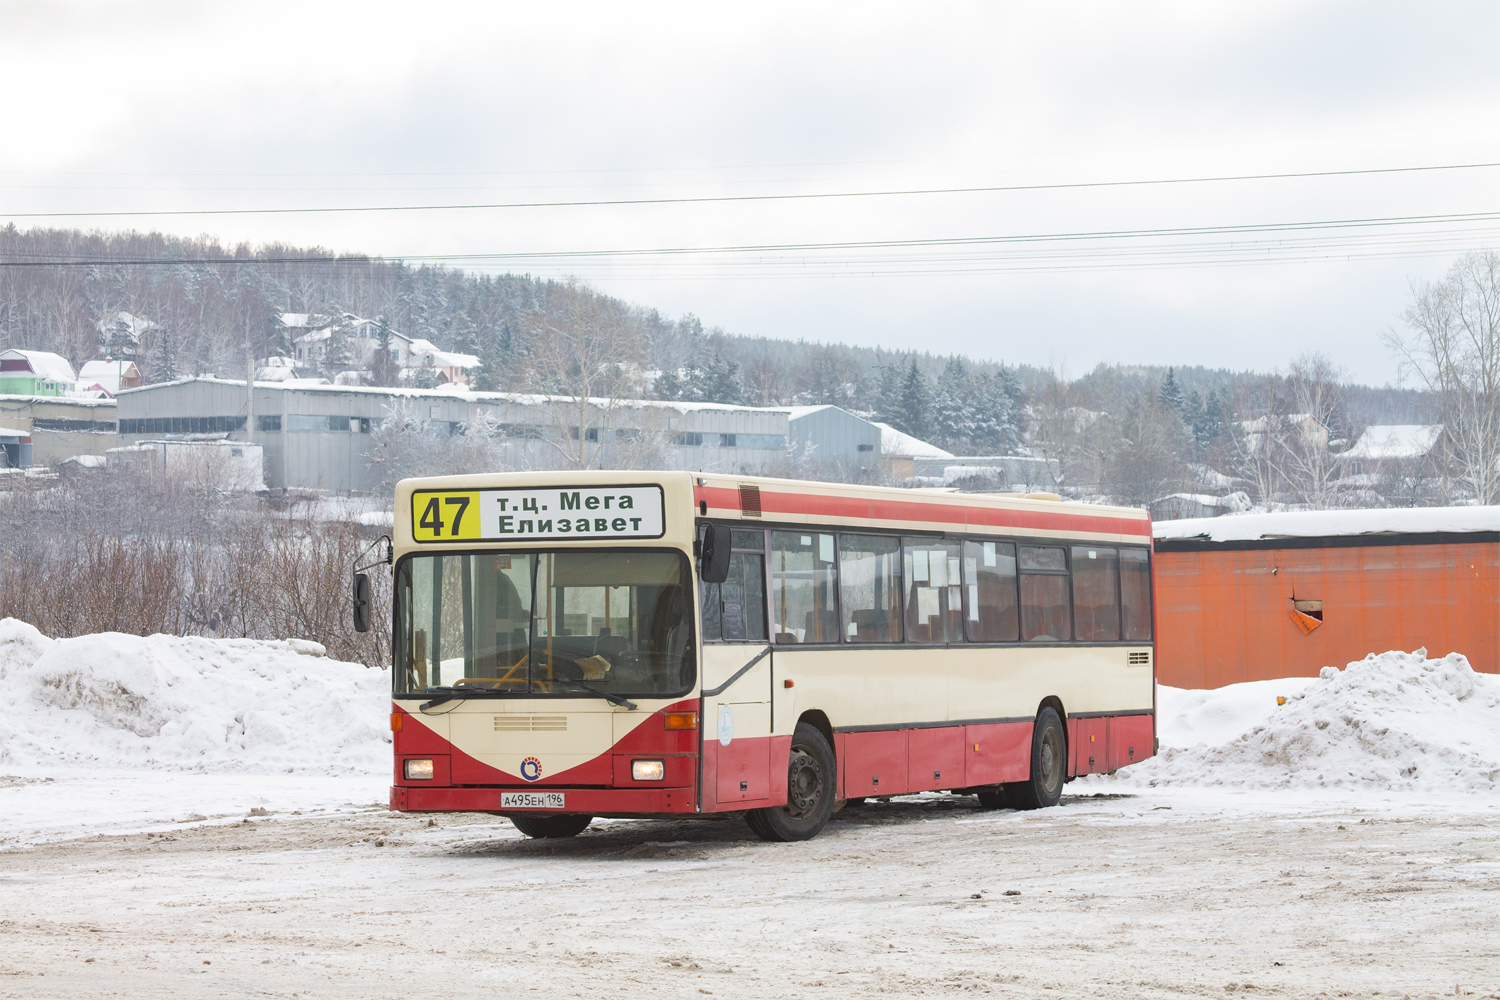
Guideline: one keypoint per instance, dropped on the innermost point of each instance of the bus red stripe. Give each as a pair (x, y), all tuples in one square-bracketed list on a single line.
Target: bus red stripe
[(924, 512)]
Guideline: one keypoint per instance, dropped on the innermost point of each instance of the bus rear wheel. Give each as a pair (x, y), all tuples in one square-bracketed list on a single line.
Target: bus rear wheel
[(810, 784), (553, 827), (1049, 765)]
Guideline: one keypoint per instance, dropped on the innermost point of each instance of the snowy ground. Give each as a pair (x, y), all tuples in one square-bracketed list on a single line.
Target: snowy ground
[(163, 833)]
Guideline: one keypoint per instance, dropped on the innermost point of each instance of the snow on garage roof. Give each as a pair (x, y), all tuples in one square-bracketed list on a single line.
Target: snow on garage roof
[(1329, 523)]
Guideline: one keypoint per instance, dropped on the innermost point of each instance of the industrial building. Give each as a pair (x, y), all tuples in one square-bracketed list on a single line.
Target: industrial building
[(58, 427), (321, 436), (1258, 596)]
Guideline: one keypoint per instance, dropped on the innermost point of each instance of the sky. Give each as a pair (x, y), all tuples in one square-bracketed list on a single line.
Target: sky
[(152, 107)]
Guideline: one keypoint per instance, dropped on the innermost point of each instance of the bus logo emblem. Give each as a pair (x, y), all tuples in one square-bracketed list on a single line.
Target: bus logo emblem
[(531, 769), (726, 725)]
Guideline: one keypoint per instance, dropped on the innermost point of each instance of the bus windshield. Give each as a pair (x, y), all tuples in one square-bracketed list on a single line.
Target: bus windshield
[(545, 623)]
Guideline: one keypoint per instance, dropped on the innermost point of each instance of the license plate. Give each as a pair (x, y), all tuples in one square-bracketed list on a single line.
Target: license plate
[(533, 800)]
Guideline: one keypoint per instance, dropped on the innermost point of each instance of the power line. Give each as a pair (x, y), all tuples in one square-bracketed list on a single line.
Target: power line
[(753, 197), (1282, 229)]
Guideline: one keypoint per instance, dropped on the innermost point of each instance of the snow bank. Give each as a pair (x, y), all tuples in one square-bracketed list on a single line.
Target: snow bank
[(173, 703), (1327, 523), (1393, 722)]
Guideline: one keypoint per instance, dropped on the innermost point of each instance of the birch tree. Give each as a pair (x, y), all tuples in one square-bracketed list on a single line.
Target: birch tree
[(1454, 352)]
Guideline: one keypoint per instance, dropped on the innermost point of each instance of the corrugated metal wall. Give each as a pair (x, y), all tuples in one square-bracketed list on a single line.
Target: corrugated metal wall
[(1223, 616)]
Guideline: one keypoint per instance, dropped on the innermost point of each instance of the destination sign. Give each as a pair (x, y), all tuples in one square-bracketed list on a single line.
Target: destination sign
[(511, 515)]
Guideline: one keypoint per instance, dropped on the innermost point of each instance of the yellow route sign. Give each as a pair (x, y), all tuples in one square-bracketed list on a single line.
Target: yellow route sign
[(444, 516)]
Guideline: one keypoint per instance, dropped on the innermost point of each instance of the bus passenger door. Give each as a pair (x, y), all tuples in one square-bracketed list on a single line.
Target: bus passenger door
[(736, 723)]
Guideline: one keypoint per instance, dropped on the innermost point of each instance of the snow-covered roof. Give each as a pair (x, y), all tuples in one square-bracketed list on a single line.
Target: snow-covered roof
[(459, 389), (1394, 441), (1330, 523), (106, 375), (11, 432), (894, 442), (427, 351), (43, 363)]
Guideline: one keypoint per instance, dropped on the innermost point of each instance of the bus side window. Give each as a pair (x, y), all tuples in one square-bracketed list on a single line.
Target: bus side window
[(1096, 590), (1135, 594), (870, 584), (990, 580), (934, 595), (1045, 615), (804, 607)]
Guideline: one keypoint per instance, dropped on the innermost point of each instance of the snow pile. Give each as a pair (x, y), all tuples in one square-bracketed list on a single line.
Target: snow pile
[(188, 704), (1393, 722)]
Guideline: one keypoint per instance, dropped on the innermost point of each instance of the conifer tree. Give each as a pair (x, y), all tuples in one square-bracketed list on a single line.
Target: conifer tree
[(914, 404), (165, 369), (1171, 392)]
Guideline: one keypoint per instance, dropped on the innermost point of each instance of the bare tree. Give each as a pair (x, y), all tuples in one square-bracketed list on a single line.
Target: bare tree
[(1315, 395), (1454, 351), (586, 354)]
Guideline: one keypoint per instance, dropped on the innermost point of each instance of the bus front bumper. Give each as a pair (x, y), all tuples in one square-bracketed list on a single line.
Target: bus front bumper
[(593, 801)]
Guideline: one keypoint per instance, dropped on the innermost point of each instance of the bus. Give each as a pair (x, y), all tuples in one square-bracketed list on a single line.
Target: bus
[(624, 644)]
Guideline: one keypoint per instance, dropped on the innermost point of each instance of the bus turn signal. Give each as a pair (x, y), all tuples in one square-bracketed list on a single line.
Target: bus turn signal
[(681, 720), (396, 719)]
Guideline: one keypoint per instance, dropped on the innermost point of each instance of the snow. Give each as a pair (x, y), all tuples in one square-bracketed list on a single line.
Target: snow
[(894, 442), (1329, 523), (111, 729), (1393, 722), (1394, 441)]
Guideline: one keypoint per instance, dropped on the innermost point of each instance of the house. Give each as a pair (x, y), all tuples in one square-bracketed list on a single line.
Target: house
[(1261, 596), (120, 334), (1185, 505), (449, 367), (364, 337), (1384, 449), (35, 373), (109, 376), (899, 452)]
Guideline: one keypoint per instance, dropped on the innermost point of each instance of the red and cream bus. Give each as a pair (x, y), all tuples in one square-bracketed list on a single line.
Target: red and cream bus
[(572, 645)]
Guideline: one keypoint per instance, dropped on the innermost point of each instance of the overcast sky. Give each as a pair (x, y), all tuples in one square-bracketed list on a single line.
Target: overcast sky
[(136, 107)]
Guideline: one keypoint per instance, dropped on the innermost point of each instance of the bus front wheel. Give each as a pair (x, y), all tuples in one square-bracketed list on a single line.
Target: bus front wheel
[(555, 826), (811, 779), (1049, 765)]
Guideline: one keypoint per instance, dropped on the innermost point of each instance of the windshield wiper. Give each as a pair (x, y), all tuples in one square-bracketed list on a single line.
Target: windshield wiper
[(446, 694), (609, 696)]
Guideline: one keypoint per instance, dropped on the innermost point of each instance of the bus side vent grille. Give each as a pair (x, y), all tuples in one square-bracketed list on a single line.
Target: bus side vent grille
[(1140, 658), (750, 500), (531, 723)]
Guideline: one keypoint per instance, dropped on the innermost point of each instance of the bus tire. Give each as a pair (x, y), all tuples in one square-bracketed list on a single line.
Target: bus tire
[(1049, 764), (811, 785), (994, 798), (553, 827)]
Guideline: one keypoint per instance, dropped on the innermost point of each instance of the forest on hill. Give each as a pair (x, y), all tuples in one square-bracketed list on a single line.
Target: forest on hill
[(1128, 431)]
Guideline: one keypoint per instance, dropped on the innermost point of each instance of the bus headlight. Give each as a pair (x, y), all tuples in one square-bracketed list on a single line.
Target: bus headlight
[(418, 770), (648, 770)]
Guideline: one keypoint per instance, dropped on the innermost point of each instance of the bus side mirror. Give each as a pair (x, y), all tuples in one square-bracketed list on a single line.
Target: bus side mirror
[(361, 602), (714, 567)]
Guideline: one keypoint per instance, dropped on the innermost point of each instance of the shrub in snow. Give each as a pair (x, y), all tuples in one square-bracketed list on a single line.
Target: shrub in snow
[(1396, 721), (185, 703)]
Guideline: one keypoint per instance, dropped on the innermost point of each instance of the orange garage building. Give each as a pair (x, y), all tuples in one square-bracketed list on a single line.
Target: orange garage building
[(1259, 596)]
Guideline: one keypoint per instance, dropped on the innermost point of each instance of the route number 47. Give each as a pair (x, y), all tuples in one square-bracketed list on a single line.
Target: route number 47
[(441, 516)]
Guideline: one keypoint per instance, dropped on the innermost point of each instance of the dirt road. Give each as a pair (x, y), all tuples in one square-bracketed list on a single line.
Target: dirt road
[(1104, 897)]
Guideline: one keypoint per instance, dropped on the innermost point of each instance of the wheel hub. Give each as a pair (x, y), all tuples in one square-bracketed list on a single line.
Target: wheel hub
[(804, 783)]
